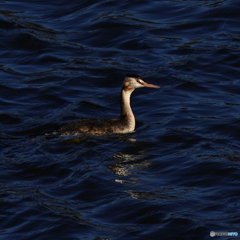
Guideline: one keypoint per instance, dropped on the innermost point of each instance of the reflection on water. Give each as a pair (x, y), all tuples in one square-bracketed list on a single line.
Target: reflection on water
[(151, 195), (127, 164)]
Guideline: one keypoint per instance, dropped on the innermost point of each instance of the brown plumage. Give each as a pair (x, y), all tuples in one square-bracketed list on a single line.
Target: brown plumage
[(124, 124)]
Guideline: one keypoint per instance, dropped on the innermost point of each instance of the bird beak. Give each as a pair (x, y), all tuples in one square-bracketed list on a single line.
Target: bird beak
[(150, 85)]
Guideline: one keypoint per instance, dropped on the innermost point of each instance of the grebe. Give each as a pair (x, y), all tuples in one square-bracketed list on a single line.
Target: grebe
[(124, 124)]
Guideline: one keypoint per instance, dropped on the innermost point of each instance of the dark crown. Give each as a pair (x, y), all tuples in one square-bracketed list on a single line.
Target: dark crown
[(133, 76)]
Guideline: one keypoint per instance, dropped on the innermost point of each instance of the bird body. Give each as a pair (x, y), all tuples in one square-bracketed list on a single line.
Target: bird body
[(124, 124)]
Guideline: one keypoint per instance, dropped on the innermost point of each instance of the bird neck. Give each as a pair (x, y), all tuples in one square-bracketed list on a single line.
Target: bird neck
[(126, 110)]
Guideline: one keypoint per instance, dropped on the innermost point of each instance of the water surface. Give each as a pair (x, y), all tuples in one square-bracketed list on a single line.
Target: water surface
[(176, 177)]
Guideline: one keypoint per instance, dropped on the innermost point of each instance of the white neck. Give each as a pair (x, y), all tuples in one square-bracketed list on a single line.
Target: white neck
[(126, 110)]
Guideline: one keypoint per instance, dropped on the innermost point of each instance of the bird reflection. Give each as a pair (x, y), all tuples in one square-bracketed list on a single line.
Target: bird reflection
[(127, 164)]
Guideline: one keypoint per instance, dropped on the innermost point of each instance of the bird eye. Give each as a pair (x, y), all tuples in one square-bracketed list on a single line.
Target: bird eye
[(140, 81)]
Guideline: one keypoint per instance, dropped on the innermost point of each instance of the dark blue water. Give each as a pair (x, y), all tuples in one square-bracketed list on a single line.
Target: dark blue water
[(177, 176)]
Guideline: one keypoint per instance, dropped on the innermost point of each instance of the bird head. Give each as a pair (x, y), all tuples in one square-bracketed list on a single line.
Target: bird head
[(133, 81)]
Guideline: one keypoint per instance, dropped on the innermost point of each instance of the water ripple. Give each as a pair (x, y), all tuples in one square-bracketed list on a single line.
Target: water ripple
[(176, 176)]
